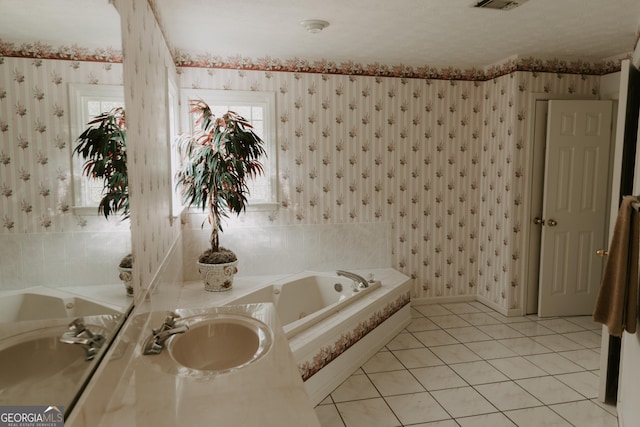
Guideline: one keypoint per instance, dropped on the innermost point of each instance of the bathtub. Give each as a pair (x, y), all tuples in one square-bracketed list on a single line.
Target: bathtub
[(332, 330), (28, 306)]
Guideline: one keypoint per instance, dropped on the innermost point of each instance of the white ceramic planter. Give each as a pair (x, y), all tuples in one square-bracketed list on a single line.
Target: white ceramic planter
[(218, 277), (126, 276)]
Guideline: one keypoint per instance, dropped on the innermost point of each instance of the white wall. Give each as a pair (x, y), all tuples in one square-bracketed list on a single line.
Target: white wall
[(629, 385)]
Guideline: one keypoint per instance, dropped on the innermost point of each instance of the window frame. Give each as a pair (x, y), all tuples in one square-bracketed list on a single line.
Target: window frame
[(267, 100), (79, 95)]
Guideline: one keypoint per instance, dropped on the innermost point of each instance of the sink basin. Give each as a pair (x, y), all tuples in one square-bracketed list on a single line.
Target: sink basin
[(220, 343), (36, 367)]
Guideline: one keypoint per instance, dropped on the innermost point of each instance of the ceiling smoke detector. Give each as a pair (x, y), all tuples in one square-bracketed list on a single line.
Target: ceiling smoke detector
[(314, 25), (499, 4)]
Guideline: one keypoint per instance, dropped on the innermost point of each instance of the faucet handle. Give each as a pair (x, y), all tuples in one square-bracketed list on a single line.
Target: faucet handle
[(171, 318), (77, 325)]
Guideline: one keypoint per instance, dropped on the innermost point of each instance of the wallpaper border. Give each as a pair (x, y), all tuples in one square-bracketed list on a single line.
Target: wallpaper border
[(40, 50)]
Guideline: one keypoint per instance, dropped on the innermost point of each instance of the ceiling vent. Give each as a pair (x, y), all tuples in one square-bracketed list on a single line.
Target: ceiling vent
[(499, 4)]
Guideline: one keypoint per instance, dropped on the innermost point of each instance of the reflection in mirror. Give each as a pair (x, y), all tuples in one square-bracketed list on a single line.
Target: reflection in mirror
[(58, 261)]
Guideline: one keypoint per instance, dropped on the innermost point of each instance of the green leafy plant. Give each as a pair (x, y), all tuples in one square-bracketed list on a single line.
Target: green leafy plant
[(219, 158), (103, 147)]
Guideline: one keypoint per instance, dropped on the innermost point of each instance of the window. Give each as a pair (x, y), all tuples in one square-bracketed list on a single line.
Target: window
[(259, 109), (86, 102)]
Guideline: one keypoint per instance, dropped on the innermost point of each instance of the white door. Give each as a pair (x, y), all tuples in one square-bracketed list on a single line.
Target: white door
[(575, 206)]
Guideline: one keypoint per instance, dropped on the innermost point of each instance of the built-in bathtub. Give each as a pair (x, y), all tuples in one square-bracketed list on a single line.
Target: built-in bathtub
[(333, 329)]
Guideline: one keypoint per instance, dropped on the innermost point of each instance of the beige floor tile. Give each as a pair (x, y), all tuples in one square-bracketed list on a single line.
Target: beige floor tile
[(586, 322), (432, 310), (382, 361), (354, 388), (461, 307), (477, 319), (416, 408), (434, 338), (524, 346), (455, 353), (490, 349), (588, 359), (558, 343), (507, 396), (517, 368), (438, 378), (540, 416), (553, 363), (417, 358), (500, 331), (487, 420), (367, 413), (549, 390), (421, 324), (531, 329), (479, 372), (449, 321), (445, 423), (585, 413), (588, 339), (328, 416), (586, 383), (560, 326), (468, 334), (463, 402), (395, 382), (403, 341)]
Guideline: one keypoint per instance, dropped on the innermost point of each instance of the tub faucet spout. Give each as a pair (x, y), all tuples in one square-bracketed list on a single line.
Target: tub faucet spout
[(362, 282), (78, 334)]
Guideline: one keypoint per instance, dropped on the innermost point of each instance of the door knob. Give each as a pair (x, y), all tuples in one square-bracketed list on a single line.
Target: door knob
[(538, 221), (602, 252), (552, 222)]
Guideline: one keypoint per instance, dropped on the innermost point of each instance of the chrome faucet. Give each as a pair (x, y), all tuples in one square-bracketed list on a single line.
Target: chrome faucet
[(78, 334), (361, 281), (155, 343)]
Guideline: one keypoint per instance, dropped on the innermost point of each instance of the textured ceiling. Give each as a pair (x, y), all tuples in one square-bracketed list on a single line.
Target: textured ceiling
[(411, 32)]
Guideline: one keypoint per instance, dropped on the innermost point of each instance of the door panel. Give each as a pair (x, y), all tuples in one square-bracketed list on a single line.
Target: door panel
[(574, 206)]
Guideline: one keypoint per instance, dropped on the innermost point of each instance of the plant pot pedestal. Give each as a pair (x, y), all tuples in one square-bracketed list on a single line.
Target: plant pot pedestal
[(218, 277), (126, 276)]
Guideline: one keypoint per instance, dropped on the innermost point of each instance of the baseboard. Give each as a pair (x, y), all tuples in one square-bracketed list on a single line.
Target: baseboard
[(443, 300), (509, 312)]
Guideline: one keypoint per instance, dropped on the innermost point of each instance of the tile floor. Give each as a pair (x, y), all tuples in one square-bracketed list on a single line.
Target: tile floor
[(466, 365)]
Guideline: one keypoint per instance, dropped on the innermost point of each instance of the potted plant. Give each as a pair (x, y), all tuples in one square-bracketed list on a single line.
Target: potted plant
[(218, 159), (103, 147)]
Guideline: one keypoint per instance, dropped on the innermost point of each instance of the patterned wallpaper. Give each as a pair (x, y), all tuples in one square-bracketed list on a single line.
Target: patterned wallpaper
[(41, 236), (445, 161), (146, 69)]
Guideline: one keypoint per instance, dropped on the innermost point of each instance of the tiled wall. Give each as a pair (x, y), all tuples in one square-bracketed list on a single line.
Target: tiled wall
[(445, 162), (42, 241)]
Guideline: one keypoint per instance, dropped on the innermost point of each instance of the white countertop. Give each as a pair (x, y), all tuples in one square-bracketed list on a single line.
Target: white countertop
[(149, 392)]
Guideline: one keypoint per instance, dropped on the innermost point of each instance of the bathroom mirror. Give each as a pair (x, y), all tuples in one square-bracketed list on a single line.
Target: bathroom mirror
[(58, 261)]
